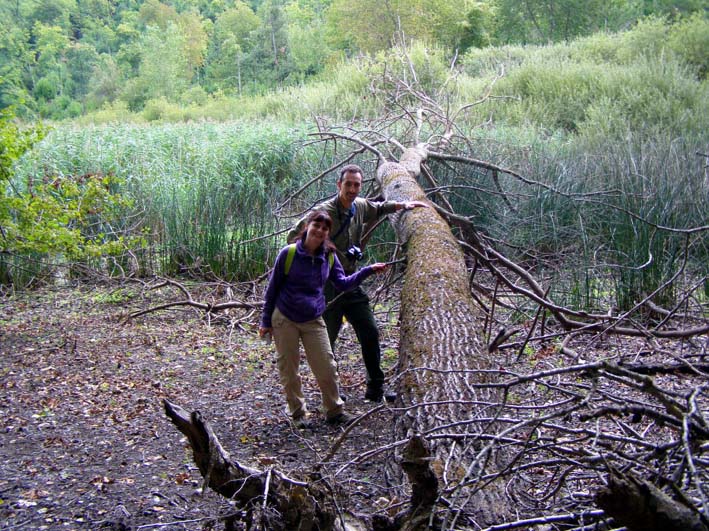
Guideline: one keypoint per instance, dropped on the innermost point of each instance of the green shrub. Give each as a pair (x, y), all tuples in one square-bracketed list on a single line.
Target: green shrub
[(689, 39), (46, 88), (632, 77), (647, 39)]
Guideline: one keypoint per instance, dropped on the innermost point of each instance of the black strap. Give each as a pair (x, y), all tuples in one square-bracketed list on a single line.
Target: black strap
[(350, 214)]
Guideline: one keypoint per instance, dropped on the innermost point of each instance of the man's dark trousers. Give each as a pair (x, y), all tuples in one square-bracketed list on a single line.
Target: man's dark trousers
[(354, 306)]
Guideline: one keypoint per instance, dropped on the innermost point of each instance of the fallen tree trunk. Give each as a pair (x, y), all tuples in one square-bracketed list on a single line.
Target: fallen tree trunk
[(442, 354)]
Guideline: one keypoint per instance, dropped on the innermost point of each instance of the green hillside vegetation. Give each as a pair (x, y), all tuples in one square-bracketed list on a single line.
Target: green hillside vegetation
[(619, 116), (61, 59)]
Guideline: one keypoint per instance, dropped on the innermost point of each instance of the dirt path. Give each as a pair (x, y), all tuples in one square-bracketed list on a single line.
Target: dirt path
[(84, 443)]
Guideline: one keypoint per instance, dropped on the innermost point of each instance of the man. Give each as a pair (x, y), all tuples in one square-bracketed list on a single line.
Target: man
[(350, 214)]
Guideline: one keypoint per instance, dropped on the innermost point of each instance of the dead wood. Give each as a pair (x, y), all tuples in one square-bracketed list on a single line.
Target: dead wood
[(640, 506), (441, 352), (207, 308), (282, 503)]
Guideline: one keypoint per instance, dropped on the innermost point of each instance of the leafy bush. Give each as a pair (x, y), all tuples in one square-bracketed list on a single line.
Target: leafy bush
[(47, 219), (689, 39)]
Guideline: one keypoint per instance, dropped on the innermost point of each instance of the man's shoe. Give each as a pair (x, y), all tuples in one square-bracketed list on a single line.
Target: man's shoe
[(302, 423), (341, 419), (374, 394), (377, 395)]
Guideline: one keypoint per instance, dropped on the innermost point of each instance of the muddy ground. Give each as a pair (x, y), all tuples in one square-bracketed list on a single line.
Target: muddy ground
[(85, 443)]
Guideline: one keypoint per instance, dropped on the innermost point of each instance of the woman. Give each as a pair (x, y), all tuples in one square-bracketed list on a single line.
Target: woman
[(294, 304)]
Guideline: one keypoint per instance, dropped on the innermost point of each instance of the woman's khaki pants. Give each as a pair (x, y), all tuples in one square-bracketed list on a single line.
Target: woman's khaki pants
[(287, 336)]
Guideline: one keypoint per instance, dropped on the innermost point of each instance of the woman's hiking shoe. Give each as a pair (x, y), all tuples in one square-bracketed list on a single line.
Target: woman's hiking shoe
[(341, 419)]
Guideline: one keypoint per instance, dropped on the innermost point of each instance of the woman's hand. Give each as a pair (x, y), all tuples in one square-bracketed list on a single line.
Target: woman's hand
[(262, 331), (380, 267)]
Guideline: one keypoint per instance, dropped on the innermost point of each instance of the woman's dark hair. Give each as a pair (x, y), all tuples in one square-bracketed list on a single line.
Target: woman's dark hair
[(323, 217)]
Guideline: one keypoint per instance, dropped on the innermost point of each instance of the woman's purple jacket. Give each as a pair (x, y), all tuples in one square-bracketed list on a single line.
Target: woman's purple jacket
[(300, 294)]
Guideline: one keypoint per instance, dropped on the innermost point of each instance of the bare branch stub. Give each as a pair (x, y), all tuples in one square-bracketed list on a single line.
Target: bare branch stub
[(288, 504)]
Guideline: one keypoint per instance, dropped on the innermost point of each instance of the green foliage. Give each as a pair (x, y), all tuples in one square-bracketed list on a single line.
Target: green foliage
[(230, 44), (372, 26), (57, 217), (689, 39), (202, 189), (145, 49), (628, 80), (164, 68), (14, 141), (64, 217), (46, 87)]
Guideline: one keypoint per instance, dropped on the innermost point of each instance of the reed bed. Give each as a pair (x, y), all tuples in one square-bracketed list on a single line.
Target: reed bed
[(199, 190), (607, 128)]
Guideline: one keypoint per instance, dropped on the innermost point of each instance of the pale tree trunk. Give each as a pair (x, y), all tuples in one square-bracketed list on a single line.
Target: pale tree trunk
[(442, 356)]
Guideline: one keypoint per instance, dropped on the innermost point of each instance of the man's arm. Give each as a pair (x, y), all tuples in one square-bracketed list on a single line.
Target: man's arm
[(389, 207)]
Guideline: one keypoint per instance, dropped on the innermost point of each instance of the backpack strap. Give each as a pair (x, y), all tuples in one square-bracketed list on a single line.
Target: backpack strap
[(289, 258), (291, 255)]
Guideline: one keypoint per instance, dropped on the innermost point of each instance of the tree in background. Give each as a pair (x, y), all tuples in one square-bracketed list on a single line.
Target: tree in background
[(269, 58), (306, 38), (105, 83), (164, 70), (192, 26), (542, 22), (478, 26), (371, 25), (53, 12), (52, 86), (673, 8), (230, 42), (15, 58)]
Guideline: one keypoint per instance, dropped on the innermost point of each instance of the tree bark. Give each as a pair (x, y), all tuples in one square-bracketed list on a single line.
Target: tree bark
[(442, 355)]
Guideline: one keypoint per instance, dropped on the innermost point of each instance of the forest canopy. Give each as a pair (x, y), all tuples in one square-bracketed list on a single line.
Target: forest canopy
[(64, 58)]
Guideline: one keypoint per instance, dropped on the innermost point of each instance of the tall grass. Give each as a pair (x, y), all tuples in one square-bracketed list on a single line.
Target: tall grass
[(620, 114), (597, 223), (199, 189)]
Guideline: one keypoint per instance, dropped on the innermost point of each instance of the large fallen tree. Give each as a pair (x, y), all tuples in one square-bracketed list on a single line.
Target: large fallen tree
[(488, 435), (481, 444)]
